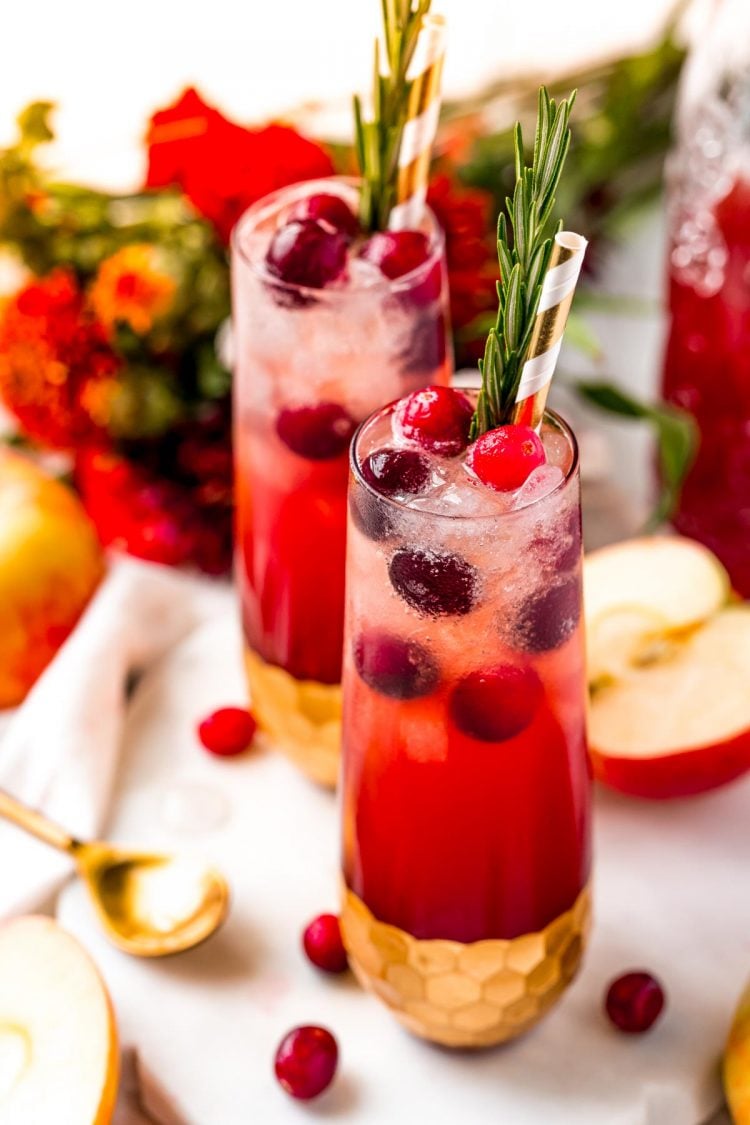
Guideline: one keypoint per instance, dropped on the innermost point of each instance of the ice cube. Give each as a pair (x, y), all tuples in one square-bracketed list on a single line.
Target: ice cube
[(539, 484)]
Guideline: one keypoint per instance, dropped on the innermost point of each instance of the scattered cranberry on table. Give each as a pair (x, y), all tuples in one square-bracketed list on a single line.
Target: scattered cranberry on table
[(634, 1002), (323, 945), (504, 458), (306, 1061), (227, 732)]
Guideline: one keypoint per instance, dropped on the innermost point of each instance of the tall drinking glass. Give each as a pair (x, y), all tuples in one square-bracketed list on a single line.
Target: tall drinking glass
[(465, 785), (707, 359), (310, 364)]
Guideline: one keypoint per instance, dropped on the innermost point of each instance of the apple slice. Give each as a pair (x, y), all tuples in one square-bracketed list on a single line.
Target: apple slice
[(636, 590), (58, 1042), (675, 577), (620, 638), (679, 723)]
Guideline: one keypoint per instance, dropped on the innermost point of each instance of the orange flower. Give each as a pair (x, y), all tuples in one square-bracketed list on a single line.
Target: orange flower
[(131, 288)]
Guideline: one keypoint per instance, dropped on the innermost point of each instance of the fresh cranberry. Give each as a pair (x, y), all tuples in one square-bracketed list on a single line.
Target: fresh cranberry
[(496, 705), (395, 667), (324, 207), (425, 350), (562, 545), (306, 1061), (634, 1001), (399, 252), (505, 457), (323, 945), (228, 731), (548, 618), (396, 470), (435, 583), (318, 432), (437, 417), (370, 516), (306, 253)]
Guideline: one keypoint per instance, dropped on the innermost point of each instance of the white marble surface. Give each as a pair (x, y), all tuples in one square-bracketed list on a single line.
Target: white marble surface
[(668, 897)]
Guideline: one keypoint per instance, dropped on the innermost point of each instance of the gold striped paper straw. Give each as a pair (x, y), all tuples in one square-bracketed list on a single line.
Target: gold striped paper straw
[(422, 113), (558, 288)]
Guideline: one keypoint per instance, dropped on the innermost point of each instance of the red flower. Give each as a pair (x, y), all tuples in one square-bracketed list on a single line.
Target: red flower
[(222, 167), (167, 500), (465, 214), (54, 361)]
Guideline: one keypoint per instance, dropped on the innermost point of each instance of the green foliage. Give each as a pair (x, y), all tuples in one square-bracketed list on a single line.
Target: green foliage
[(676, 435), (619, 138), (377, 141), (523, 250), (167, 372)]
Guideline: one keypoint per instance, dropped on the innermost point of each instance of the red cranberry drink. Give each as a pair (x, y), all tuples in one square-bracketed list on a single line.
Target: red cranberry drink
[(466, 783), (707, 371), (329, 325)]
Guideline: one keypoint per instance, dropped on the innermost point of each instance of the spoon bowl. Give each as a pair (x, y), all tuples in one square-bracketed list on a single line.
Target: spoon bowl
[(152, 905), (149, 905)]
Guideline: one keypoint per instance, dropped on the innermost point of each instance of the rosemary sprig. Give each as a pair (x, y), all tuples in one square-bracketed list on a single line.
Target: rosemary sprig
[(524, 261), (378, 141)]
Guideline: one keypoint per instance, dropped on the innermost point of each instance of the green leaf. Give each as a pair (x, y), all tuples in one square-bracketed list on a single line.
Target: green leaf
[(522, 267), (34, 126), (676, 433)]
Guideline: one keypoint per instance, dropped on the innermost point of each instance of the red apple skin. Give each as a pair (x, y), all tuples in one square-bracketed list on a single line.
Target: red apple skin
[(683, 774)]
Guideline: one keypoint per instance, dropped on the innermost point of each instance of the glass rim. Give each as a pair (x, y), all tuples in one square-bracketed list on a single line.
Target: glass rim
[(268, 204), (401, 506)]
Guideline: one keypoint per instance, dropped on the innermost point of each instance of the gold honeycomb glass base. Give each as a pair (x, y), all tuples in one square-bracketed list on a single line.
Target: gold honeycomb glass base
[(301, 716), (471, 995)]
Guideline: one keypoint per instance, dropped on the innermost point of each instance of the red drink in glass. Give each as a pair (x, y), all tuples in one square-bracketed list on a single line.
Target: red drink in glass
[(707, 371), (466, 781), (311, 362)]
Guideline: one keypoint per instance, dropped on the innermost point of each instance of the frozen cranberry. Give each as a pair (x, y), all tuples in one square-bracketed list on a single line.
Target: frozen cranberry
[(306, 253), (562, 546), (318, 432), (370, 516), (435, 583), (634, 1001), (504, 458), (496, 705), (324, 207), (396, 470), (425, 350), (323, 945), (228, 731), (395, 667), (548, 618), (306, 1061), (437, 417), (399, 252), (396, 252)]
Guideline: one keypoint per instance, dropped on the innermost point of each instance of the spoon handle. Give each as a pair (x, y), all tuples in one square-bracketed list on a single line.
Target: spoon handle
[(35, 823)]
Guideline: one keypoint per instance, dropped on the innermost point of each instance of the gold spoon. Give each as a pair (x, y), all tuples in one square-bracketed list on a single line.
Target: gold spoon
[(149, 905)]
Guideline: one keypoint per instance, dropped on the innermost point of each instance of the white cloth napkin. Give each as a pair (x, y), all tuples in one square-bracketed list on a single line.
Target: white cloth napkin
[(59, 752)]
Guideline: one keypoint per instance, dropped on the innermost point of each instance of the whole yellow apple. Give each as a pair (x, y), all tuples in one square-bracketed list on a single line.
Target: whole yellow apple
[(50, 564)]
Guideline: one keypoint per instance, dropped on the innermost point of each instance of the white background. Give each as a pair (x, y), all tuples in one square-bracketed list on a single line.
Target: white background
[(108, 65)]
